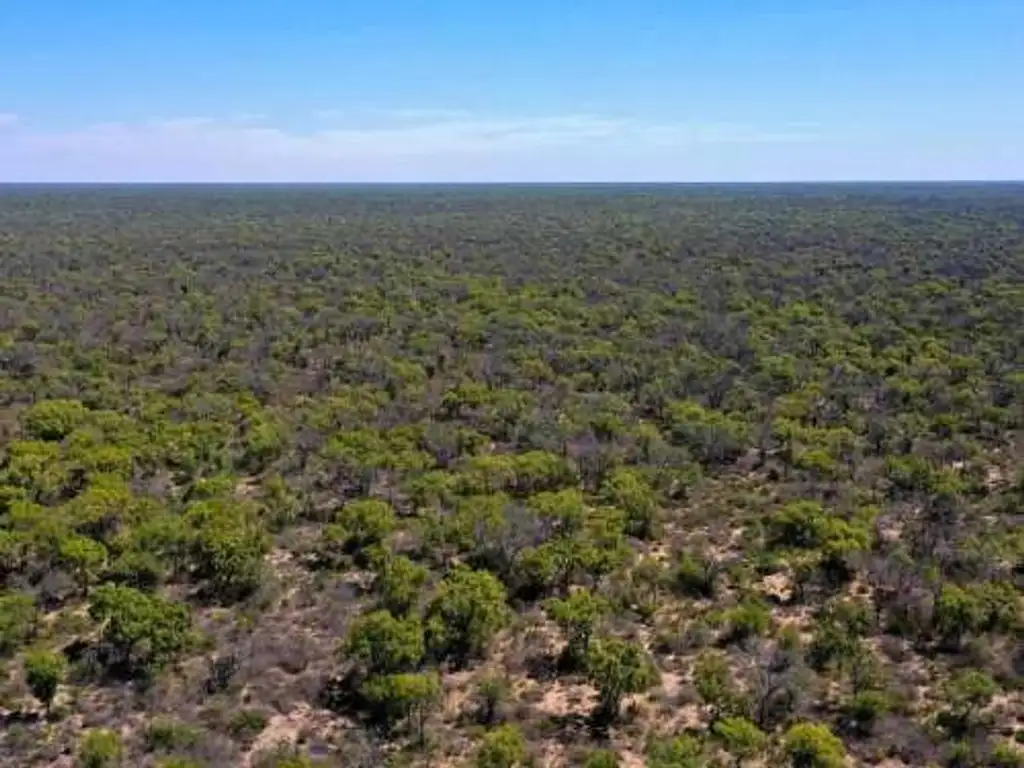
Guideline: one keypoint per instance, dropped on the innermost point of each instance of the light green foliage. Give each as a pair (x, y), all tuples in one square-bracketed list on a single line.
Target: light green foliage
[(632, 492), (811, 745), (404, 696), (565, 510), (167, 735), (102, 508), (677, 752), (602, 758), (283, 505), (697, 575), (969, 691), (44, 672), (228, 546), (52, 419), (984, 607), (618, 668), (806, 525), (468, 610), (366, 523), (384, 643), (83, 557), (1007, 756), (400, 582), (18, 614), (265, 440), (713, 437), (141, 631), (491, 691), (99, 748), (38, 467), (577, 616), (712, 678), (740, 737), (502, 747), (751, 618)]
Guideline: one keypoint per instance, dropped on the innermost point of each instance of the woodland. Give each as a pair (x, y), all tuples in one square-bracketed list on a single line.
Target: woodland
[(668, 476)]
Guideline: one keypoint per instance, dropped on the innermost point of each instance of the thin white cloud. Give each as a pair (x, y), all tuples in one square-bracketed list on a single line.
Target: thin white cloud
[(375, 145), (8, 119)]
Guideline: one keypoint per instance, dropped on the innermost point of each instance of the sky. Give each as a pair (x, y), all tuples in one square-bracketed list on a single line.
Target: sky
[(524, 91)]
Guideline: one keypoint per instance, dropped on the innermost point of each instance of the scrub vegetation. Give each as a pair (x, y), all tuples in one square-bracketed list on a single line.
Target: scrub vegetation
[(609, 476)]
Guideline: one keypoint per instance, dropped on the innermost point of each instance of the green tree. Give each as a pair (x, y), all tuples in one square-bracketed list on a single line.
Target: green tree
[(958, 613), (385, 644), (967, 692), (228, 546), (366, 523), (53, 419), (141, 632), (502, 747), (629, 490), (400, 583), (577, 616), (812, 745), (468, 610), (491, 691), (84, 558), (618, 668), (404, 696), (18, 615), (44, 672)]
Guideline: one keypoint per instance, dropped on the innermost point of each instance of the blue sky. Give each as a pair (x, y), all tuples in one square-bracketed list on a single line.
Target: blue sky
[(553, 90)]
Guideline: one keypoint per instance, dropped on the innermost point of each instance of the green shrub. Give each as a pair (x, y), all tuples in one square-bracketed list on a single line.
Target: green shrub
[(503, 747), (810, 745), (468, 610), (99, 748), (618, 668), (44, 672)]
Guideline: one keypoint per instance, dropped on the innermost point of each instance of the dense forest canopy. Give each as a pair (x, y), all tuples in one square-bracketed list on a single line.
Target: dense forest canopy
[(498, 476)]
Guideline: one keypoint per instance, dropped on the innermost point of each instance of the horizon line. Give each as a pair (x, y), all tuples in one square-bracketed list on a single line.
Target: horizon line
[(498, 183)]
